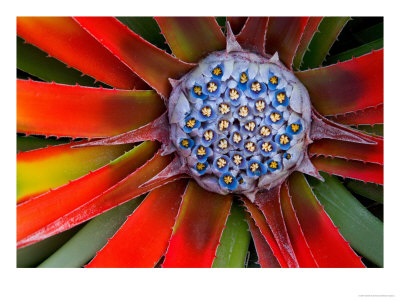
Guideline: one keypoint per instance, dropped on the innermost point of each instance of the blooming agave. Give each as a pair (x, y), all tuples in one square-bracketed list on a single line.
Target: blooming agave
[(238, 121)]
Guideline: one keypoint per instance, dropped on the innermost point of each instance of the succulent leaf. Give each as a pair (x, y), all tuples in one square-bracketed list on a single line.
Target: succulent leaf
[(198, 228), (367, 116), (252, 36)]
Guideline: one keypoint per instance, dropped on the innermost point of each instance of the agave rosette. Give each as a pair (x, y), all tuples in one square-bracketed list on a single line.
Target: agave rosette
[(179, 223)]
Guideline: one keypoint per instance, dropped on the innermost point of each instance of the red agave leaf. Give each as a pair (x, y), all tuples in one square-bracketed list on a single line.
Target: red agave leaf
[(368, 116), (143, 238), (236, 23), (283, 36), (355, 151), (299, 243), (368, 172), (309, 31), (345, 87), (64, 39), (252, 35), (152, 64), (266, 257), (192, 38), (75, 111), (328, 247), (88, 196), (198, 228), (47, 168), (268, 202), (262, 224)]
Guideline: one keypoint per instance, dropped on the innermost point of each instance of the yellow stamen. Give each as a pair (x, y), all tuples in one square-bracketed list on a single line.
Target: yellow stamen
[(273, 80), (208, 135), (243, 111), (250, 126), (267, 147), (197, 90), (243, 78), (206, 111), (190, 123), (233, 94), (265, 131), (223, 124), (284, 139), (237, 138), (228, 179), (295, 127), (201, 151), (221, 163), (237, 159), (280, 97), (212, 87), (288, 156), (273, 164), (250, 146), (185, 143), (254, 167), (223, 144), (241, 180), (217, 71), (256, 87), (260, 105), (200, 166), (224, 108), (275, 117)]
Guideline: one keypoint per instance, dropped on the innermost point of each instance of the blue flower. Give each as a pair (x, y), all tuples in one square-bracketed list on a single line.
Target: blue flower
[(228, 181), (186, 143), (255, 168), (256, 89), (274, 117), (273, 165), (191, 123), (280, 98), (294, 128), (283, 140), (221, 163), (201, 167), (267, 148), (197, 91), (273, 81), (217, 71), (202, 153)]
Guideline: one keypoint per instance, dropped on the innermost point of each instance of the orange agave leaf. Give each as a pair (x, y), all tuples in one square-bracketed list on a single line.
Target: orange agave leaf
[(41, 217), (328, 247), (266, 257), (152, 64), (262, 224), (309, 31), (354, 151), (198, 228), (143, 238), (64, 39), (75, 111), (268, 202), (368, 116), (252, 35), (236, 23), (283, 36), (299, 243), (345, 87), (48, 168), (192, 38), (368, 172)]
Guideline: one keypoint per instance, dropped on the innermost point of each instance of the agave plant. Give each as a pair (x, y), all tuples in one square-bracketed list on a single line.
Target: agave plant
[(199, 142)]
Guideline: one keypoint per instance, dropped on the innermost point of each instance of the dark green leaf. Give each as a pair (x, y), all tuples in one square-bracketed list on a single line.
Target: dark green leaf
[(91, 238), (357, 225), (27, 143), (370, 34), (356, 52), (329, 30), (34, 61), (376, 129), (368, 190), (234, 243)]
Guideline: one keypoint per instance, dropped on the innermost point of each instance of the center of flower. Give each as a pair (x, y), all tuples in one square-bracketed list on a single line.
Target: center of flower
[(239, 122)]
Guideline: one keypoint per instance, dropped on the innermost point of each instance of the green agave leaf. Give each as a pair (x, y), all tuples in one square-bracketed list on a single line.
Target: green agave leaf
[(221, 22), (31, 256), (91, 238), (355, 222), (375, 129), (34, 61), (349, 54), (235, 240), (368, 190), (148, 29), (370, 34), (329, 29), (27, 143)]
